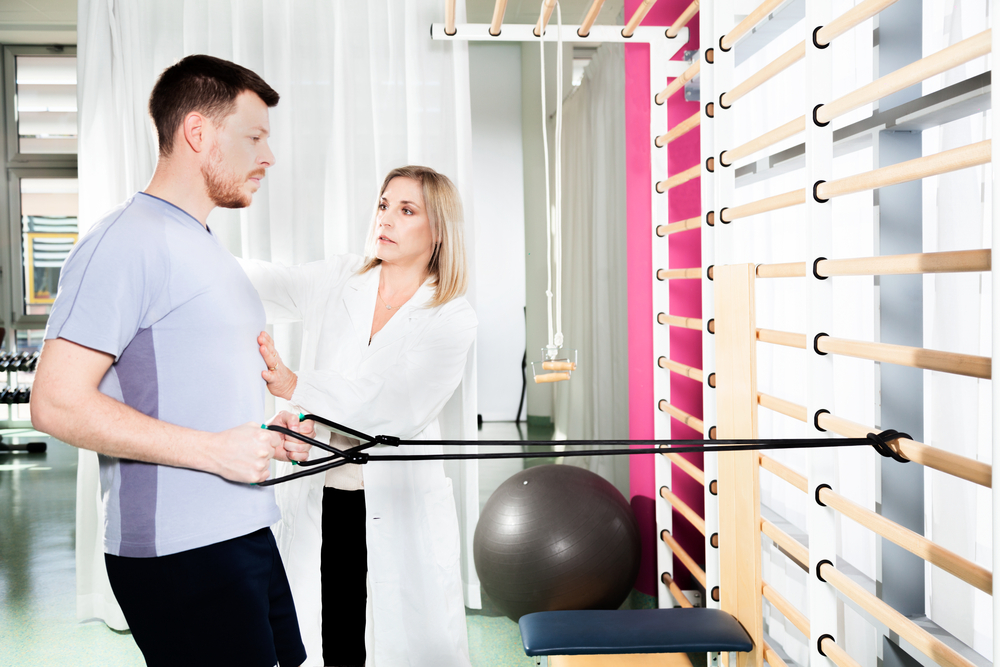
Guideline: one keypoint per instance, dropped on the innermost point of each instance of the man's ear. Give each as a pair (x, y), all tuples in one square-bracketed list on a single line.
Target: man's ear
[(195, 129)]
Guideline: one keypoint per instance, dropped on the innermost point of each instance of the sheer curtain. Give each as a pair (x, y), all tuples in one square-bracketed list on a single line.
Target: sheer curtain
[(594, 404), (364, 89)]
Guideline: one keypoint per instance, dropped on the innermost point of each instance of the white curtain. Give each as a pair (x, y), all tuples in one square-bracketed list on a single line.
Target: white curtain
[(957, 213), (364, 89), (594, 404)]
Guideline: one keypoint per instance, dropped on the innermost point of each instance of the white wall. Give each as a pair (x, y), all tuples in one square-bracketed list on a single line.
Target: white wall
[(497, 163)]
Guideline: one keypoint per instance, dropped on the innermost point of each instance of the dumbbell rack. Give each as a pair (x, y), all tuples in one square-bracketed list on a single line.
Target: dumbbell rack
[(15, 391)]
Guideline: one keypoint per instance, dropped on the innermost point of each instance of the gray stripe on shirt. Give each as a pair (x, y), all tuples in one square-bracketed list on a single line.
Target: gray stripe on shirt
[(136, 370)]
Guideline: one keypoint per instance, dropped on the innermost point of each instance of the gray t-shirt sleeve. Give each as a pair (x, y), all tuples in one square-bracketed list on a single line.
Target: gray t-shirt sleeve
[(110, 287)]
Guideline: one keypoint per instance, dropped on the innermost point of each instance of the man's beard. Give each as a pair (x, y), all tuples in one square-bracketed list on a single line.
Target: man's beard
[(224, 188)]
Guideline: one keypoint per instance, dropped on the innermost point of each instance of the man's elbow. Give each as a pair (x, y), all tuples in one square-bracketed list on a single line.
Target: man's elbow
[(44, 413)]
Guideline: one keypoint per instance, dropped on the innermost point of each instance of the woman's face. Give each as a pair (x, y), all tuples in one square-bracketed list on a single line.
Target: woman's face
[(402, 225)]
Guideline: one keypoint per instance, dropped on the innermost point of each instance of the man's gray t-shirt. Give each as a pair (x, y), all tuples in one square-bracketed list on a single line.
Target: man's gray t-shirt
[(153, 287)]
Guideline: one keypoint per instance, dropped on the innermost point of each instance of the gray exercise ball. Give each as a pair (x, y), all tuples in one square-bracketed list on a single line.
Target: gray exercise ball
[(556, 537)]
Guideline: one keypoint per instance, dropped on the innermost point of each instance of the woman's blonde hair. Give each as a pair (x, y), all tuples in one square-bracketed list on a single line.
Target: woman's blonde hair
[(448, 267)]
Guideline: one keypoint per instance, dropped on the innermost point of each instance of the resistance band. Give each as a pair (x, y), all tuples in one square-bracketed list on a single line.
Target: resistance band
[(358, 455)]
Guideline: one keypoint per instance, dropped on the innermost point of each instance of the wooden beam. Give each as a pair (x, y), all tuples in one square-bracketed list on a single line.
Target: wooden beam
[(739, 487)]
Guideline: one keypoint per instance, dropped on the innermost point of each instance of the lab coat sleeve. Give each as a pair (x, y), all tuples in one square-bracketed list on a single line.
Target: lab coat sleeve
[(286, 290), (401, 398)]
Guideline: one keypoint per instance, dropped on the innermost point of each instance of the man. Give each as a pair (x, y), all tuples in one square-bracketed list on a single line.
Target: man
[(151, 360)]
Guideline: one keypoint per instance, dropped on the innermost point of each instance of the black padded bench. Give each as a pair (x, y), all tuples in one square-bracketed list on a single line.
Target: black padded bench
[(642, 633)]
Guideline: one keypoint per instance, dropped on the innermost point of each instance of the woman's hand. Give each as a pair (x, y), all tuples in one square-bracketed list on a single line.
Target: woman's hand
[(292, 449), (280, 381)]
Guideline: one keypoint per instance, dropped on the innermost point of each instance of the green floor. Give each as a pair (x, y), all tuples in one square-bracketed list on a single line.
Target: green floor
[(38, 625)]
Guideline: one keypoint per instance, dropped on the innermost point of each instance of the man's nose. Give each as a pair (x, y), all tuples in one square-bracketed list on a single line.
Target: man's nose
[(266, 157)]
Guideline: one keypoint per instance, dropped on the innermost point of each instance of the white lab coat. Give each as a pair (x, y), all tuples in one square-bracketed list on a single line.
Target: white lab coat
[(397, 385)]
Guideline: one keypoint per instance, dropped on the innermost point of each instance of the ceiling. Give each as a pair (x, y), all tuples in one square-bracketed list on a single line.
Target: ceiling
[(54, 21), (526, 11), (38, 21)]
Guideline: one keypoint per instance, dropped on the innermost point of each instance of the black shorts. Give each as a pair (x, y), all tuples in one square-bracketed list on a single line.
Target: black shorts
[(223, 604)]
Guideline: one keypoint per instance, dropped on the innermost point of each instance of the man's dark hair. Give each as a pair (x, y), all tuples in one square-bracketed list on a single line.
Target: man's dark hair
[(204, 84)]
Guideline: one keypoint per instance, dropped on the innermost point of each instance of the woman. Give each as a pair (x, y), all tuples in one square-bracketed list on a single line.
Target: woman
[(385, 343)]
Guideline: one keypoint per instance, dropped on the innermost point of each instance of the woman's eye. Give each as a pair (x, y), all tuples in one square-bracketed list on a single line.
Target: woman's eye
[(382, 207), (407, 211)]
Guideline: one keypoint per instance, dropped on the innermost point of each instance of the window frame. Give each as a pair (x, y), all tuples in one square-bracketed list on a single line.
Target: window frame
[(15, 258), (17, 166), (13, 148)]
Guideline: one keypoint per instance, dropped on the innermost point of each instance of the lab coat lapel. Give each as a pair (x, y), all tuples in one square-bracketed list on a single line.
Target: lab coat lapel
[(403, 321), (359, 300)]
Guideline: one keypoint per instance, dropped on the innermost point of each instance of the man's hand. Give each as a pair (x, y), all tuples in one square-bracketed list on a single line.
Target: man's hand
[(292, 449), (243, 454)]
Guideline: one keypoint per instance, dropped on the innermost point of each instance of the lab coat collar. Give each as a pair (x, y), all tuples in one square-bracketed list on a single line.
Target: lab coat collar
[(360, 297)]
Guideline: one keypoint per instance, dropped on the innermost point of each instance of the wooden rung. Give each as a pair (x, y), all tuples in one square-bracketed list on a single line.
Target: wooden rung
[(922, 640), (790, 270), (911, 170), (916, 544), (679, 179), (787, 543), (849, 19), (679, 82), (748, 23), (793, 198), (677, 321), (685, 510), (682, 226), (588, 20), (772, 658), (932, 457), (675, 591), (789, 129), (681, 369), (678, 274), (449, 17), (786, 608), (904, 77), (768, 72), (914, 357), (782, 338), (784, 472), (786, 408), (499, 8), (693, 471), (683, 557), (543, 19), (834, 652), (679, 130), (683, 19), (957, 261), (637, 17), (681, 416)]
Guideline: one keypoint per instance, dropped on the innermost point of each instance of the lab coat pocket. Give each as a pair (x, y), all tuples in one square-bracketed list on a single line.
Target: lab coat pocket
[(442, 522)]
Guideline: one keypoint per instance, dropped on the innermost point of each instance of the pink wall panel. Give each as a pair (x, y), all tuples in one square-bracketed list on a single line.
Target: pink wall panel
[(685, 299)]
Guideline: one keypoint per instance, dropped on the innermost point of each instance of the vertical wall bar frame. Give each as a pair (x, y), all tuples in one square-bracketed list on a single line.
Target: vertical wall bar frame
[(739, 472)]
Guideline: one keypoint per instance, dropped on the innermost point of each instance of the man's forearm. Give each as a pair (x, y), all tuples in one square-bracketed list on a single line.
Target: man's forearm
[(67, 404), (99, 423)]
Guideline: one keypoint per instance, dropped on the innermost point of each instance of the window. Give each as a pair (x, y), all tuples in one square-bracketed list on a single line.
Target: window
[(45, 90), (39, 88), (38, 206)]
